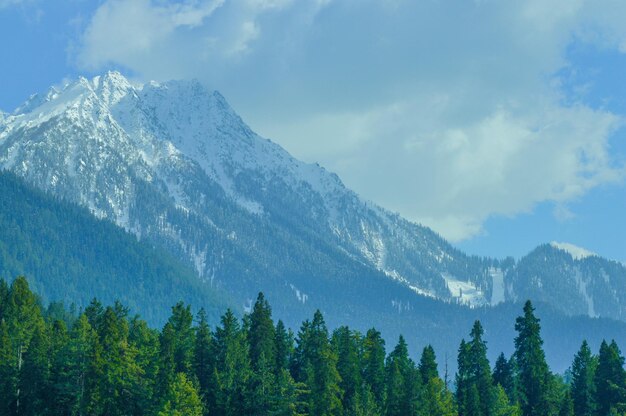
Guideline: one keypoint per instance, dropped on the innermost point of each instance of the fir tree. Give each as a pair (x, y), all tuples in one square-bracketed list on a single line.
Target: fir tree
[(232, 369), (582, 388), (284, 347), (34, 375), (346, 344), (503, 375), (374, 365), (428, 364), (204, 362), (182, 399), (403, 382), (534, 375), (181, 322), (261, 335), (609, 379)]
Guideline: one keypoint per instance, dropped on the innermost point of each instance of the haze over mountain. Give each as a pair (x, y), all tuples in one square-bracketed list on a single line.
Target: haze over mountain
[(175, 165)]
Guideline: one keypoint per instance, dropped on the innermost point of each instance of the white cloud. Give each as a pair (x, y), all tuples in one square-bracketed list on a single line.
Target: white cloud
[(448, 112)]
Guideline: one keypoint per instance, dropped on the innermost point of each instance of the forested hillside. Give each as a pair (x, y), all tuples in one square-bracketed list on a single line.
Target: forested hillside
[(70, 256), (104, 362)]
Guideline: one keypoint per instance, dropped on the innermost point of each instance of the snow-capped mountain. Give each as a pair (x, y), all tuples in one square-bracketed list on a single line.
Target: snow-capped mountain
[(175, 165), (105, 142)]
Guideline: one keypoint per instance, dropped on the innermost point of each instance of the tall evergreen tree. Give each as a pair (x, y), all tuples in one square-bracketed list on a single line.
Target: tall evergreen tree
[(34, 375), (374, 365), (582, 387), (121, 374), (204, 362), (610, 380), (8, 377), (73, 371), (347, 344), (261, 335), (315, 364), (232, 370), (533, 372), (182, 399), (475, 391), (167, 362), (284, 347), (503, 375), (145, 341), (23, 318), (403, 382), (182, 325), (428, 364)]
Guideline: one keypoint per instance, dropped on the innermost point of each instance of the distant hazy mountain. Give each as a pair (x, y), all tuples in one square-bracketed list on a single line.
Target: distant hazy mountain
[(175, 165)]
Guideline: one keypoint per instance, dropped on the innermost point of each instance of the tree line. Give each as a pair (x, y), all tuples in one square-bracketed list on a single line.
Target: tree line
[(102, 361)]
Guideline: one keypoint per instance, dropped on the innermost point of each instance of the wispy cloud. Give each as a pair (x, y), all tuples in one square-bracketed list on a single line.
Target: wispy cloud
[(448, 112)]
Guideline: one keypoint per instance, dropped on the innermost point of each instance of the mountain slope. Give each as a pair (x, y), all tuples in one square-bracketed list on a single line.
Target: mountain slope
[(70, 256), (151, 157), (174, 165)]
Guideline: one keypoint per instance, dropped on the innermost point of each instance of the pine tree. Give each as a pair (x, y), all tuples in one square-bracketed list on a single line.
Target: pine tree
[(315, 364), (262, 335), (182, 399), (502, 405), (475, 390), (428, 364), (167, 363), (374, 365), (8, 376), (438, 400), (403, 382), (120, 372), (609, 380), (284, 347), (346, 343), (71, 371), (145, 341), (503, 375), (534, 375), (582, 388), (290, 397), (232, 369), (181, 321), (23, 317), (34, 375), (567, 405), (204, 362)]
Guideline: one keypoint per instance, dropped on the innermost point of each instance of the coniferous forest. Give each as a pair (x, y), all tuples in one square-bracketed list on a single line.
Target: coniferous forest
[(101, 361)]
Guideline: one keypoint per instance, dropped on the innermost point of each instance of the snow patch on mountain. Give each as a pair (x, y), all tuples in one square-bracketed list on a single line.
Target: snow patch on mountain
[(464, 292), (577, 253), (498, 289)]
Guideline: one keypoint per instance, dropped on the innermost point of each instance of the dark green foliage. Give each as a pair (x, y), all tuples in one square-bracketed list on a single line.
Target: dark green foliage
[(476, 395), (181, 321), (403, 382), (261, 335), (428, 364), (583, 389), (203, 360), (610, 380), (504, 375), (534, 375), (110, 364), (374, 365)]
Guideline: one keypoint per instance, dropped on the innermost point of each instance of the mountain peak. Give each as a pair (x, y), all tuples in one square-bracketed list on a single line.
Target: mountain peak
[(577, 253)]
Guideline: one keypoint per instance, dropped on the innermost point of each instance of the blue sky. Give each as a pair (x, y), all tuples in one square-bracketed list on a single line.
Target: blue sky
[(498, 123)]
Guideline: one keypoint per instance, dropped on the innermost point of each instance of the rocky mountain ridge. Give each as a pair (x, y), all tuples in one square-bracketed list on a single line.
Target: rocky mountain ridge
[(174, 164)]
